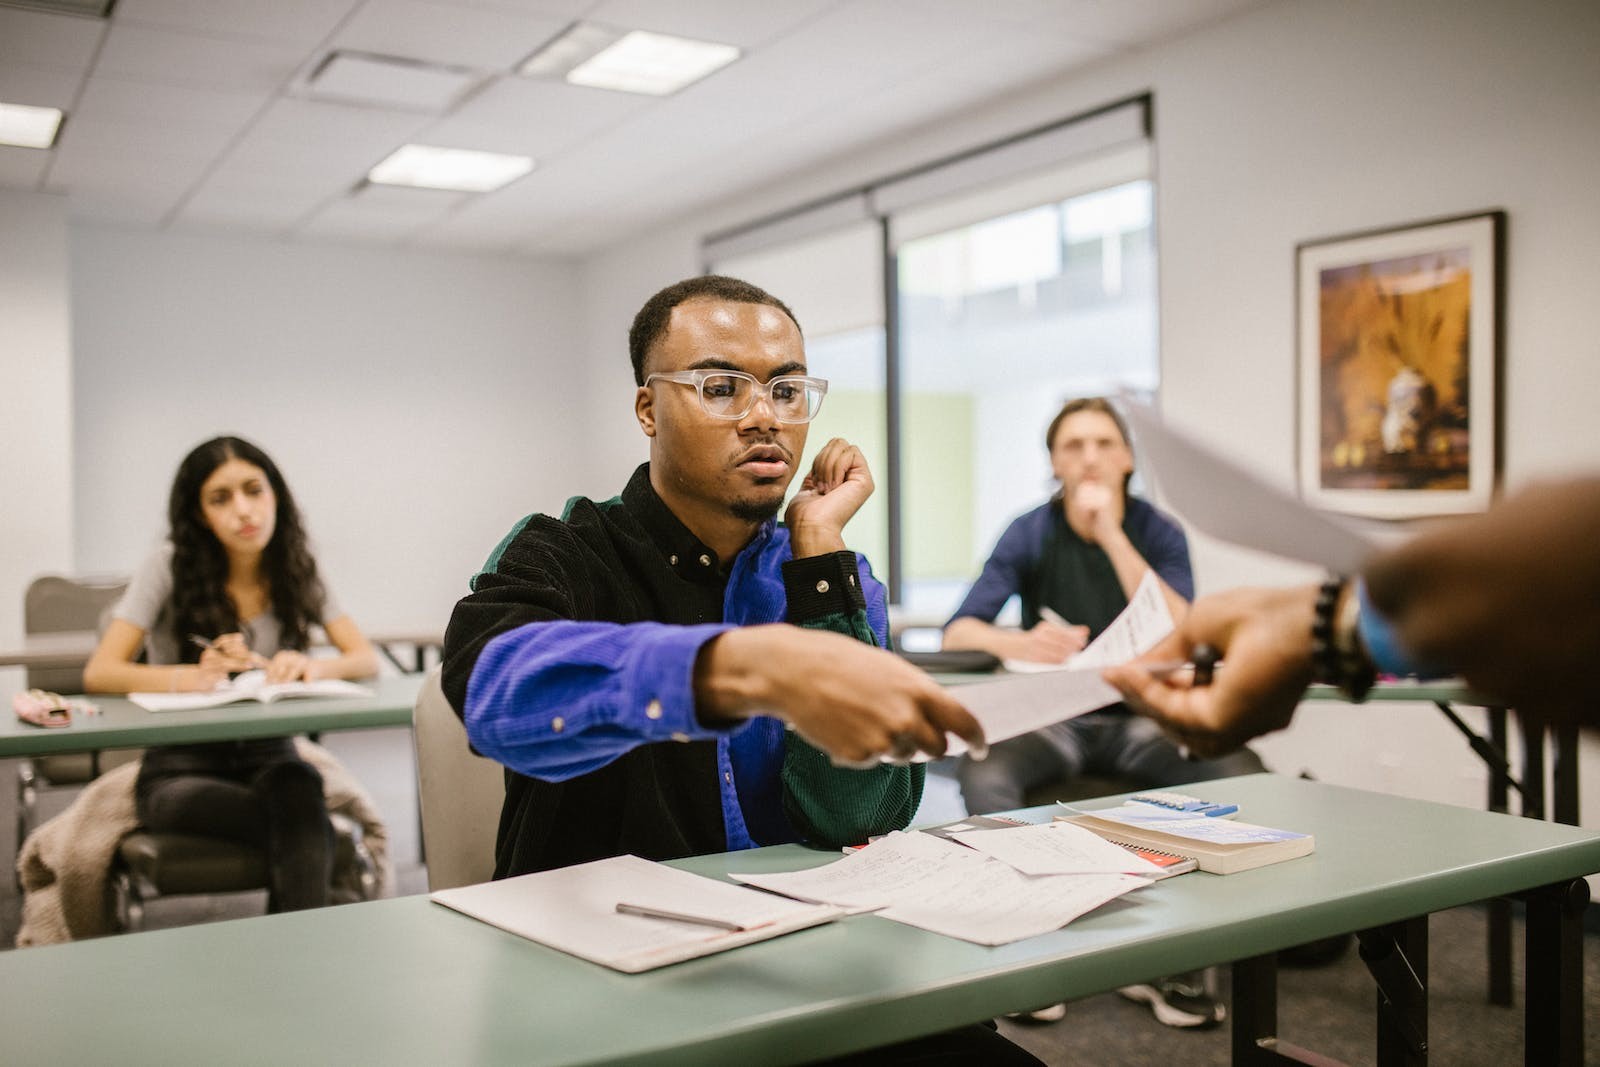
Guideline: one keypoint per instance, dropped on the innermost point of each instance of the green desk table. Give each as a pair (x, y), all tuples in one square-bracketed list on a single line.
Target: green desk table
[(407, 981), (123, 724)]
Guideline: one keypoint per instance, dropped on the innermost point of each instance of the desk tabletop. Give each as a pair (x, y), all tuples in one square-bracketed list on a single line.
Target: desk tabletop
[(409, 981), (123, 724)]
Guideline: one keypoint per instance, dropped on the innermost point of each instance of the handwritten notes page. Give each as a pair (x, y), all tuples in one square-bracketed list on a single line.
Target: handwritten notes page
[(1019, 704), (1044, 849), (949, 889)]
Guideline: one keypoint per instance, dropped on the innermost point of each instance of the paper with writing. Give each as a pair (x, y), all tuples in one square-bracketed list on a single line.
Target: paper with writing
[(1055, 848), (1195, 828), (937, 885), (1011, 706)]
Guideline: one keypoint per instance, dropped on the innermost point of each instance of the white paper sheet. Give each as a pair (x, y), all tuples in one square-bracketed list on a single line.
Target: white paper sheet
[(1011, 706), (950, 889), (1055, 848), (1217, 496), (574, 909)]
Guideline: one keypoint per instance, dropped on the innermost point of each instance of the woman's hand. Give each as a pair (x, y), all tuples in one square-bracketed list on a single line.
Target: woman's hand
[(290, 666), (227, 655)]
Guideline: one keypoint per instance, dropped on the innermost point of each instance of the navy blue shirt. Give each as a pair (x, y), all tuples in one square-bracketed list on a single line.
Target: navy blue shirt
[(1021, 565)]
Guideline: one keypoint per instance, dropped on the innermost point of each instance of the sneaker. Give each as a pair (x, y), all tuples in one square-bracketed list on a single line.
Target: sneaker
[(1051, 1013), (1182, 1001)]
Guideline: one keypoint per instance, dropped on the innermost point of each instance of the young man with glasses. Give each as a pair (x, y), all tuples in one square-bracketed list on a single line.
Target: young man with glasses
[(637, 664)]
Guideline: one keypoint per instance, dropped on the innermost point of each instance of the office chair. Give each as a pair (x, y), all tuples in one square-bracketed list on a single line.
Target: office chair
[(461, 794), (149, 865), (59, 604)]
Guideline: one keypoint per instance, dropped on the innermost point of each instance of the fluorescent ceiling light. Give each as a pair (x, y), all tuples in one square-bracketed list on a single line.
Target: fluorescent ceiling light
[(458, 169), (637, 61), (29, 127)]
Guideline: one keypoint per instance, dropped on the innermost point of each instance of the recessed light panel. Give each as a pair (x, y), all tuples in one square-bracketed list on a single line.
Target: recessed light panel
[(652, 63), (25, 126), (457, 169), (388, 81)]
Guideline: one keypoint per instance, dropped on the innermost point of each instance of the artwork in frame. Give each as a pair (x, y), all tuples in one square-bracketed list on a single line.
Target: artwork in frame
[(1399, 339)]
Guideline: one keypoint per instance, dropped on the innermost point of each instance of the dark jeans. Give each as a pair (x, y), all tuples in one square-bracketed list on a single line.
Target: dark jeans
[(256, 792), (1112, 742)]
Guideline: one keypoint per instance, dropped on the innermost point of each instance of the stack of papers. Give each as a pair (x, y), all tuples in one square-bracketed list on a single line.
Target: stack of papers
[(973, 890), (1219, 846), (249, 686)]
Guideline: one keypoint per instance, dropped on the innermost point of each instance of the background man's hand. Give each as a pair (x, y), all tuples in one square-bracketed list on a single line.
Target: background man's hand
[(829, 496), (855, 702), (1264, 636), (1047, 642), (1102, 505)]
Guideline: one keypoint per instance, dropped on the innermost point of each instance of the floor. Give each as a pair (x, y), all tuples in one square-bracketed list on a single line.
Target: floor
[(1327, 1008)]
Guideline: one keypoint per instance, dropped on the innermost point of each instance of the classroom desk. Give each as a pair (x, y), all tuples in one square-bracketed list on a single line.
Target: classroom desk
[(72, 648), (407, 981), (123, 724)]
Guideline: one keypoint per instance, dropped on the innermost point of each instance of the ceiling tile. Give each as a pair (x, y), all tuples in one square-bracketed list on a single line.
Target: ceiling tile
[(264, 207), (38, 86), (42, 40), (530, 116), (482, 38), (300, 23), (163, 55), (128, 207), (21, 168), (175, 107), (743, 24)]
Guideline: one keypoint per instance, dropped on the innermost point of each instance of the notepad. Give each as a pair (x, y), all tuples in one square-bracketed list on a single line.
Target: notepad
[(574, 910), (247, 687), (1220, 846)]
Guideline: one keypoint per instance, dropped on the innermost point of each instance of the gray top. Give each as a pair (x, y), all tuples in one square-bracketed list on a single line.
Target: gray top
[(145, 605)]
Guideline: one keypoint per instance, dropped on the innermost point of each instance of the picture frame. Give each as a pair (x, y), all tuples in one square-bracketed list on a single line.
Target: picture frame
[(1399, 337)]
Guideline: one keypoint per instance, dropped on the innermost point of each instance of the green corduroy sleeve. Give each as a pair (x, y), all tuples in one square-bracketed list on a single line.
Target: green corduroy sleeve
[(835, 806)]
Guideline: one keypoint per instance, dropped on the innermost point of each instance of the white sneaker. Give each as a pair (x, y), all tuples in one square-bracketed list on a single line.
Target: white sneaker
[(1052, 1013)]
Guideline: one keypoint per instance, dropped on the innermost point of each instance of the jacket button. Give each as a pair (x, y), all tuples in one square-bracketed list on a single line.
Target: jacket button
[(653, 710), (822, 586), (558, 724)]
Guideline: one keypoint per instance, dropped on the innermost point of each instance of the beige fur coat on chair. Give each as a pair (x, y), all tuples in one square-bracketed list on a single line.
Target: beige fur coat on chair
[(65, 864)]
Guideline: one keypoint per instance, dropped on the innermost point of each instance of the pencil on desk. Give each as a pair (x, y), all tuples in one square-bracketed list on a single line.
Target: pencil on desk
[(678, 916)]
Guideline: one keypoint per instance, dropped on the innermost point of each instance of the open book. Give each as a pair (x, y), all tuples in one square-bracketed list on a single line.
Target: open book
[(251, 685), (1220, 846), (591, 910)]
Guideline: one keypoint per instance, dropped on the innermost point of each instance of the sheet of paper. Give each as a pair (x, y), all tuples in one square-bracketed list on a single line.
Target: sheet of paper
[(574, 909), (1011, 706), (950, 889), (1056, 848), (1221, 498)]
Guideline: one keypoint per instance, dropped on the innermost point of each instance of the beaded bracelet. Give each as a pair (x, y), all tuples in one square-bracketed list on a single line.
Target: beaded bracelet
[(1337, 657)]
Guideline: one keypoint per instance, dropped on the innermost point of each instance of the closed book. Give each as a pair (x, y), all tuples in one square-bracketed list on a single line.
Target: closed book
[(1219, 846)]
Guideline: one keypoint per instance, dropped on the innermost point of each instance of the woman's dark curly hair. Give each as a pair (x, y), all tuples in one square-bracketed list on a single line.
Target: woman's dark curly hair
[(200, 601)]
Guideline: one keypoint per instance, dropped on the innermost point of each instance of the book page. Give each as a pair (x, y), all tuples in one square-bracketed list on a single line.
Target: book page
[(1195, 828), (574, 909), (247, 686)]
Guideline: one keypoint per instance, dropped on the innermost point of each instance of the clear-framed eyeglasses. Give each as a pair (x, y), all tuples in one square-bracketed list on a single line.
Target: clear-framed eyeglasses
[(730, 394)]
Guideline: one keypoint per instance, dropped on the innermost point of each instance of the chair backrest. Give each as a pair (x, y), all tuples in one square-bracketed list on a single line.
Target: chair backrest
[(55, 603), (461, 794)]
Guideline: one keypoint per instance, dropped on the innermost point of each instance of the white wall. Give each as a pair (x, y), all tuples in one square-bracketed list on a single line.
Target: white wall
[(417, 404), (35, 402), (1291, 122)]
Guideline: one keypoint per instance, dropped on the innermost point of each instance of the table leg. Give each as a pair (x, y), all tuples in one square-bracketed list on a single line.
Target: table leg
[(1255, 1018), (1564, 775), (1397, 956), (1554, 1029)]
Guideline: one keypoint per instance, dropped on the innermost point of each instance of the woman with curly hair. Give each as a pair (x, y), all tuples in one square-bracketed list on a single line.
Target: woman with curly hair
[(234, 588)]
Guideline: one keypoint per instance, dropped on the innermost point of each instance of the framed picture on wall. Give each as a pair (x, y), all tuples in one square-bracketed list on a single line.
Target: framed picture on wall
[(1399, 353)]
